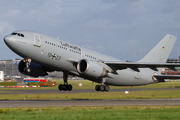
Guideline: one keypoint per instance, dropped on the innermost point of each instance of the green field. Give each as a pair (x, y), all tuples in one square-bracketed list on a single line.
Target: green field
[(144, 94), (90, 85), (92, 113), (95, 95)]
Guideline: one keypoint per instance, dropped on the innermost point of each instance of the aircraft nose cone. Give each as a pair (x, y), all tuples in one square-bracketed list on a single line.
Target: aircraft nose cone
[(6, 40), (9, 40)]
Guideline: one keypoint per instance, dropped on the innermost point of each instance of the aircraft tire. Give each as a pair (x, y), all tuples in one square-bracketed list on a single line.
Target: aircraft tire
[(27, 70), (69, 87), (97, 88), (101, 87), (60, 87), (106, 88), (65, 87)]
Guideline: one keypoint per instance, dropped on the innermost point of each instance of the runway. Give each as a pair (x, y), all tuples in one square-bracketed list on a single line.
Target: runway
[(84, 102), (61, 103)]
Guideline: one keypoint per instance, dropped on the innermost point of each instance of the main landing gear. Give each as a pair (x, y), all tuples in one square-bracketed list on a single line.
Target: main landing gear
[(65, 86), (102, 87)]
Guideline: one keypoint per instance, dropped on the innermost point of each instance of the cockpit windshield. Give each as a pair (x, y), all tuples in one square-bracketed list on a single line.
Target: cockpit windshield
[(18, 34)]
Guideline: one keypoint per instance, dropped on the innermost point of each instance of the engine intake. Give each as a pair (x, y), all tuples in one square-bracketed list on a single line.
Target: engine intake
[(91, 68)]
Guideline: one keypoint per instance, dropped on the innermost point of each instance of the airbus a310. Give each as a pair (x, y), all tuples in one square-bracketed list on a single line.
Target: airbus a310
[(43, 53)]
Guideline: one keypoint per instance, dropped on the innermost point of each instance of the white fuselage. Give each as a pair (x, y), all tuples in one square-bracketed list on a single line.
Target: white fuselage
[(54, 53)]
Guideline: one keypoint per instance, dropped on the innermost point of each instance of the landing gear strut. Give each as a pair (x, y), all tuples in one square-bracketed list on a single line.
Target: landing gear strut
[(27, 62), (65, 86), (102, 87)]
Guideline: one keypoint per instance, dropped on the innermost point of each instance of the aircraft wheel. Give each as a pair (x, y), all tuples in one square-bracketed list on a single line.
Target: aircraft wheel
[(69, 87), (97, 88), (106, 88), (65, 87), (101, 88), (27, 70), (60, 87)]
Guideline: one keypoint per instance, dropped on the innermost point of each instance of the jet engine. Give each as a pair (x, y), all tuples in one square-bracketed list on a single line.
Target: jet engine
[(36, 70), (91, 68)]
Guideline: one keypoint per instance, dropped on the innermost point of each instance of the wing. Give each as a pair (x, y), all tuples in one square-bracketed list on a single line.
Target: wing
[(137, 65), (134, 66)]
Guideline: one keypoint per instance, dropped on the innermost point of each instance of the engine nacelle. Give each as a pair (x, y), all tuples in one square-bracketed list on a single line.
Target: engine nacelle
[(36, 70), (91, 68)]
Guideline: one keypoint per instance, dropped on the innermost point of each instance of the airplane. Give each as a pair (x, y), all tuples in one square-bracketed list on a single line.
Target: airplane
[(43, 54)]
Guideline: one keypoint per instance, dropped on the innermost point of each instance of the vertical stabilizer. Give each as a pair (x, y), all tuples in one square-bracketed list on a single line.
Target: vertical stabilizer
[(161, 51)]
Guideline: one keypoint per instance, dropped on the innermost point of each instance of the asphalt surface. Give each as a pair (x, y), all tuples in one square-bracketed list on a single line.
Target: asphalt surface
[(61, 103), (84, 102), (4, 91)]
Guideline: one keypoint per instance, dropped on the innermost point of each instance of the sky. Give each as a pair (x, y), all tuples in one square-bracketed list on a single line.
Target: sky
[(125, 29)]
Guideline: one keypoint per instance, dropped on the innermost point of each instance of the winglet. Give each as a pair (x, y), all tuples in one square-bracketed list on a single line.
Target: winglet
[(161, 51)]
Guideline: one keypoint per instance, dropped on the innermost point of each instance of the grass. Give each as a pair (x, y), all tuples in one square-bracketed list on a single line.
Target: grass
[(92, 113), (90, 85), (152, 94), (145, 94)]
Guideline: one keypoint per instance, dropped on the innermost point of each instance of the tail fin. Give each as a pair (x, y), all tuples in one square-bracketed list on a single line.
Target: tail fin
[(161, 51)]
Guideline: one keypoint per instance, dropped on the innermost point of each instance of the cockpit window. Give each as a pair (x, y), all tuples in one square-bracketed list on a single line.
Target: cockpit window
[(22, 35), (13, 33), (19, 34)]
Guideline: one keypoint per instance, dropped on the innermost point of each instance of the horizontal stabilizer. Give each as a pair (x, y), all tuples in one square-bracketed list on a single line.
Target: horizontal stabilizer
[(162, 77), (172, 68)]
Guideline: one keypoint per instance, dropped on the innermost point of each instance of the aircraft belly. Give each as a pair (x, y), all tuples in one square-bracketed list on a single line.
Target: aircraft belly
[(130, 78)]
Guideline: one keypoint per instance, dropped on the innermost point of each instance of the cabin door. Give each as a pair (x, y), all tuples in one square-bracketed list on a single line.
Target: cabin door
[(37, 40)]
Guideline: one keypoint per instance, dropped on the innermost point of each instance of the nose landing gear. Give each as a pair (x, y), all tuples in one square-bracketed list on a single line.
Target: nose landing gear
[(65, 86), (27, 63)]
